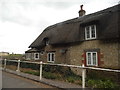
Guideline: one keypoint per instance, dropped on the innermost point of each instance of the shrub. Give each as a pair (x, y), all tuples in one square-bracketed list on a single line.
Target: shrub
[(11, 63), (49, 75), (60, 73), (70, 79), (74, 79), (33, 73), (30, 65), (101, 84), (91, 83)]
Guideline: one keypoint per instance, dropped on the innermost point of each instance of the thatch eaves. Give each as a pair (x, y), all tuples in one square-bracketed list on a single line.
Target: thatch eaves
[(32, 50)]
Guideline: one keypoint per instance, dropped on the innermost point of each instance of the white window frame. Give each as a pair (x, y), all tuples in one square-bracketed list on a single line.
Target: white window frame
[(35, 56), (90, 32), (91, 59), (47, 42), (50, 57)]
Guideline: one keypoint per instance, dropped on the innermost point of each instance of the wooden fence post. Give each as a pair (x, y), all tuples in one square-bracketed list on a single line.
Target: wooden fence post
[(18, 67), (41, 70), (83, 76)]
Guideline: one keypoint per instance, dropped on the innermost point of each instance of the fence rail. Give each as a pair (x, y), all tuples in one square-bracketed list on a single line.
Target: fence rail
[(64, 65)]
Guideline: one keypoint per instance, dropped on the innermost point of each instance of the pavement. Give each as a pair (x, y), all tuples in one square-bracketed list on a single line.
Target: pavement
[(21, 82), (54, 83)]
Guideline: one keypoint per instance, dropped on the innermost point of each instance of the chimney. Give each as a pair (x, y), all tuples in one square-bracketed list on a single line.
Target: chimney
[(81, 12)]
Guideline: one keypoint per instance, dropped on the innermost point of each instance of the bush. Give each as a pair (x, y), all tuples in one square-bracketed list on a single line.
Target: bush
[(33, 73), (49, 75), (11, 63), (30, 65), (70, 79), (101, 84), (74, 79), (60, 73), (102, 75)]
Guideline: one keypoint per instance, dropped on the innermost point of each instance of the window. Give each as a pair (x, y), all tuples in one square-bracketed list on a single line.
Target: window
[(46, 41), (51, 57), (92, 58), (90, 32), (36, 56)]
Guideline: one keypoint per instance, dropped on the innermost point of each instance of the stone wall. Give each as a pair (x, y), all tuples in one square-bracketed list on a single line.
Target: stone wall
[(108, 52), (60, 57)]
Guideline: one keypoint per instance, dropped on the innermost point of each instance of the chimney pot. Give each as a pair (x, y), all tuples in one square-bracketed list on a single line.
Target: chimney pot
[(81, 7), (81, 12)]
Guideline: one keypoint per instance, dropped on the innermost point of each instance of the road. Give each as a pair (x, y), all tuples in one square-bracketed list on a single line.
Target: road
[(14, 81)]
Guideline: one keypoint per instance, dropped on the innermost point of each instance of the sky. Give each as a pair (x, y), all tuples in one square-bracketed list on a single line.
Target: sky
[(22, 21)]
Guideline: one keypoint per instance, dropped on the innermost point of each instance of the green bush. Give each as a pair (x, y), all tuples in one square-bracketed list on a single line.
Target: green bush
[(102, 75), (70, 79), (60, 73), (66, 71), (74, 79), (11, 63), (101, 84), (33, 73), (30, 65), (91, 83), (49, 75)]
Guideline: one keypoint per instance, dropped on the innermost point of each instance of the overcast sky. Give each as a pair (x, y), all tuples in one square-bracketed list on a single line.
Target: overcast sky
[(21, 21)]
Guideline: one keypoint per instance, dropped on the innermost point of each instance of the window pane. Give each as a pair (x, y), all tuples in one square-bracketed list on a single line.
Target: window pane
[(89, 58), (93, 31), (94, 59), (52, 57), (36, 55), (47, 42), (87, 32), (48, 56), (93, 27)]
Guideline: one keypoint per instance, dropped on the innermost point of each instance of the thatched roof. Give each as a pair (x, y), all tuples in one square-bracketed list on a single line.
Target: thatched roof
[(32, 50), (73, 30)]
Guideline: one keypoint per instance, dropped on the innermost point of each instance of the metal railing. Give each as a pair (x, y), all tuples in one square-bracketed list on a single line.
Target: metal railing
[(64, 65)]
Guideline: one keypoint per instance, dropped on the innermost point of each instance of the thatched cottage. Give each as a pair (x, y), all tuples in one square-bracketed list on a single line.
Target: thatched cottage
[(91, 39)]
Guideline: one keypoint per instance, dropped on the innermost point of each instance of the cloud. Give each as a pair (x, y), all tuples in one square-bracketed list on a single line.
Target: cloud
[(21, 21), (31, 12), (16, 37)]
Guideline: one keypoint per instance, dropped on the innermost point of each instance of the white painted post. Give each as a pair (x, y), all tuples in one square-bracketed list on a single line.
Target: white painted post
[(5, 64), (18, 67), (83, 76), (41, 70)]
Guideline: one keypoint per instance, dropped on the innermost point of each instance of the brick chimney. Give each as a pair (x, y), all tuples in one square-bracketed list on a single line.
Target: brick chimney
[(81, 12)]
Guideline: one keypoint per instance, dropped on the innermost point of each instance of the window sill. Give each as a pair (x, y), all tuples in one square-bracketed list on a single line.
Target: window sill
[(50, 61), (36, 59), (92, 65), (90, 39)]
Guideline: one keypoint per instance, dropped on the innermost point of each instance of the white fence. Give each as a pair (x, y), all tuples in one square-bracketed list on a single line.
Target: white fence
[(64, 65)]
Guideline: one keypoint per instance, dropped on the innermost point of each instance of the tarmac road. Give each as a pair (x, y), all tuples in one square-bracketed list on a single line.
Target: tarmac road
[(14, 81)]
